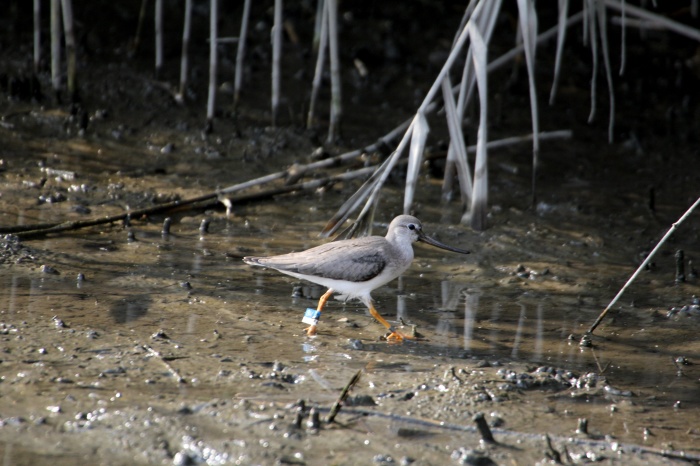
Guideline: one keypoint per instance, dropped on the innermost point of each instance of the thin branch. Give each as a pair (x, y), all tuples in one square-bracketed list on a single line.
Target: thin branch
[(335, 409), (37, 231), (642, 266), (678, 28), (446, 426), (171, 369), (320, 60)]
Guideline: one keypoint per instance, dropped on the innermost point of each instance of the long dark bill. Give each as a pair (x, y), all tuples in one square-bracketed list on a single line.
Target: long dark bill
[(438, 244)]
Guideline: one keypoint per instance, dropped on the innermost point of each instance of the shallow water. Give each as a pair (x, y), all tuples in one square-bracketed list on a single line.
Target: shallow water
[(184, 305)]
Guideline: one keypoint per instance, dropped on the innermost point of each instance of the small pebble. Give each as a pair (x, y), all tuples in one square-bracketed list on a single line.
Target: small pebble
[(356, 344), (59, 323), (160, 335), (49, 269)]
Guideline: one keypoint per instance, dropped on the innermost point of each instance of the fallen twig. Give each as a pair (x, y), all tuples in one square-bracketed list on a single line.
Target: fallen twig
[(641, 267), (663, 21), (292, 175), (567, 440), (173, 371), (335, 409), (483, 427), (36, 231)]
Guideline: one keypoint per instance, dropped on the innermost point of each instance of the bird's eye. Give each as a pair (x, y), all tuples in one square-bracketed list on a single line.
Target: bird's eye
[(411, 226)]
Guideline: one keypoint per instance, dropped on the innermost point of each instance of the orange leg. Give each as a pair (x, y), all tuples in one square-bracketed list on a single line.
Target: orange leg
[(395, 335), (311, 330)]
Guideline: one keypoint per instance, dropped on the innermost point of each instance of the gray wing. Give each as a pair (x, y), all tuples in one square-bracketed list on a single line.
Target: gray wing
[(355, 260)]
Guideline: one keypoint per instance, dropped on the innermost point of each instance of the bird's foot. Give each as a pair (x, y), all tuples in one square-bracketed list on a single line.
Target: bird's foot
[(397, 337), (310, 331), (394, 336)]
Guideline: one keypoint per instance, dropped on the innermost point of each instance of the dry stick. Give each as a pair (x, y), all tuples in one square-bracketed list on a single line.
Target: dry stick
[(552, 453), (678, 28), (483, 428), (297, 171), (544, 136), (335, 409), (592, 443), (173, 371), (240, 54), (293, 173), (641, 267), (44, 230), (310, 185)]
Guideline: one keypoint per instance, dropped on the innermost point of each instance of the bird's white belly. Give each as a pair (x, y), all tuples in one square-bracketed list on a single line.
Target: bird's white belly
[(353, 289)]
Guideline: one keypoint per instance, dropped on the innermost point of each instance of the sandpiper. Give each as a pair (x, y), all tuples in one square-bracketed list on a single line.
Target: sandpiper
[(356, 267)]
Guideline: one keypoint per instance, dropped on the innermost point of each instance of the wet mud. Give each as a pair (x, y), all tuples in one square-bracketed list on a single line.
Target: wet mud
[(125, 344)]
